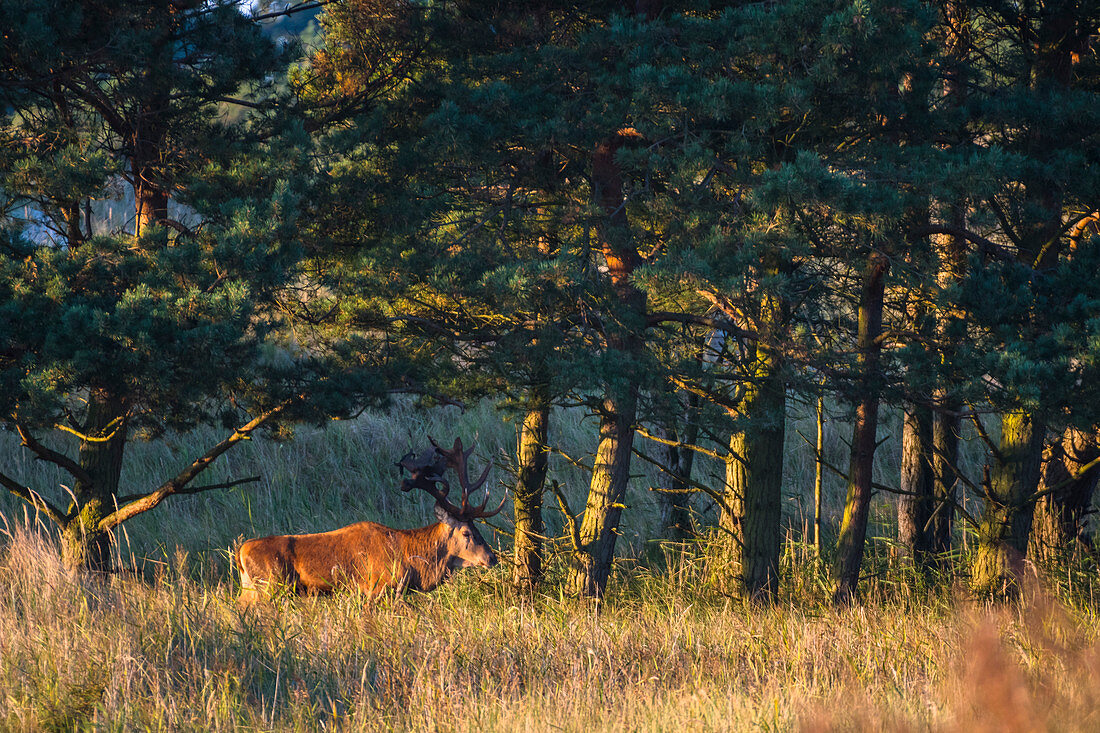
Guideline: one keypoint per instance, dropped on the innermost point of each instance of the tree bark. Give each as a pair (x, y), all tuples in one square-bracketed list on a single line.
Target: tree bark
[(1005, 525), (531, 457), (853, 527), (85, 546), (673, 506), (752, 509), (591, 562), (592, 559), (945, 449), (951, 252), (1059, 525), (819, 474), (915, 507), (624, 341)]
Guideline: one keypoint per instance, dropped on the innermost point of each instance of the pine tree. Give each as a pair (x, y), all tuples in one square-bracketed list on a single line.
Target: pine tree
[(110, 333)]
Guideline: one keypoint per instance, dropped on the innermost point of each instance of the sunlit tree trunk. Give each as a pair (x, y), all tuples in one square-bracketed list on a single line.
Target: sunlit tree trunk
[(592, 558), (754, 480), (1070, 478), (951, 251), (819, 475), (531, 457), (752, 506), (1005, 526), (916, 504)]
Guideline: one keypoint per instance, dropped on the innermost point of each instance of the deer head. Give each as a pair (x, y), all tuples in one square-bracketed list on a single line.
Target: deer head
[(466, 544)]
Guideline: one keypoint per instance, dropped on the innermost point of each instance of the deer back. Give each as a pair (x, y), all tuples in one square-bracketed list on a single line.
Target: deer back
[(366, 555)]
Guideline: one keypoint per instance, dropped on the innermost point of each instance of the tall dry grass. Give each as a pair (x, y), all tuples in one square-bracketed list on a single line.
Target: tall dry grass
[(176, 654), (163, 646)]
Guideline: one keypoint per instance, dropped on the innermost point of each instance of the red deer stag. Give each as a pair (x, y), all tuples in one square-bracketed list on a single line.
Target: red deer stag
[(372, 557)]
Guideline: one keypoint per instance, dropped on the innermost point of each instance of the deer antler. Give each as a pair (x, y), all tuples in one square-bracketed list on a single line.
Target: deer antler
[(425, 472), (456, 459)]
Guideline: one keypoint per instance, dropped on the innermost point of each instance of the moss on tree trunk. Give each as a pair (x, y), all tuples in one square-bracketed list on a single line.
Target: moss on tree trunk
[(531, 456), (1005, 525), (754, 480)]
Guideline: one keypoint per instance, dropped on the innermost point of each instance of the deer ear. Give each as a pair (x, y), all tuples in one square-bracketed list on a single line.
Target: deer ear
[(444, 516)]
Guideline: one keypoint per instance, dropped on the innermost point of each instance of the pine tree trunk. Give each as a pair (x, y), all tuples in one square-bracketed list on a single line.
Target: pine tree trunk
[(853, 527), (753, 504), (673, 507), (945, 458), (819, 475), (151, 207), (146, 168), (1058, 528), (951, 252), (531, 456), (84, 545), (624, 337), (915, 507), (592, 560), (1005, 525)]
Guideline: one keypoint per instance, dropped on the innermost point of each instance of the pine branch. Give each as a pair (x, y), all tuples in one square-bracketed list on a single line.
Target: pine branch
[(678, 444), (941, 502), (122, 500), (570, 518), (1075, 476), (28, 441), (658, 317), (291, 10), (178, 484), (980, 427), (986, 245), (84, 438), (33, 498), (696, 486)]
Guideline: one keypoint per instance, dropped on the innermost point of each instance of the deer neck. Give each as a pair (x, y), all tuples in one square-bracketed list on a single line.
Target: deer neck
[(429, 555)]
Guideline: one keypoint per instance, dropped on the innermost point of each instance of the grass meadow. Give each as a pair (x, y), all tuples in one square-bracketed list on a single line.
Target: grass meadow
[(163, 646)]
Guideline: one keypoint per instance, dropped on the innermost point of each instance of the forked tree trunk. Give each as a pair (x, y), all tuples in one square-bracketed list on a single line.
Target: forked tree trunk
[(853, 527), (753, 504), (1058, 530), (624, 338), (531, 456), (84, 545), (916, 505), (592, 558), (1005, 525)]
